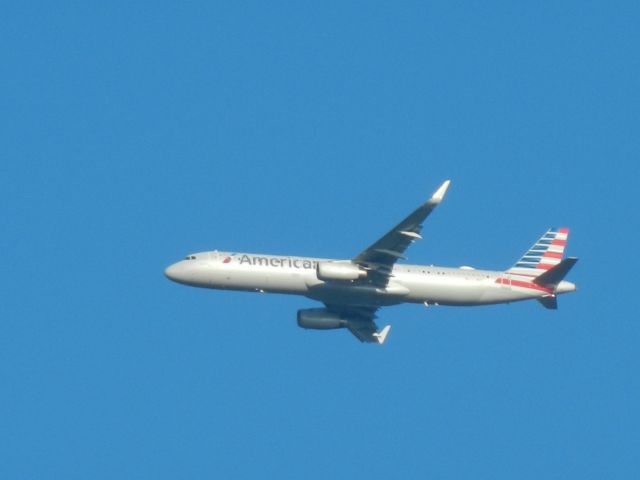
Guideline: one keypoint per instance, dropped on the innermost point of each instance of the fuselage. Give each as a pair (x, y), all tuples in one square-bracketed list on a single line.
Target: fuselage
[(407, 283)]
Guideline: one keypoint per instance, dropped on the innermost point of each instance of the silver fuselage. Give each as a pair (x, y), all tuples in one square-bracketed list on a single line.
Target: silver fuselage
[(408, 283)]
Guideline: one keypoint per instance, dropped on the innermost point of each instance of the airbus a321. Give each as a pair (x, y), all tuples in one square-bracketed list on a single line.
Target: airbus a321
[(352, 291)]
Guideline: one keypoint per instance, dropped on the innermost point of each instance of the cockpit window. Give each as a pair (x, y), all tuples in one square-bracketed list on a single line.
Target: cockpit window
[(190, 257)]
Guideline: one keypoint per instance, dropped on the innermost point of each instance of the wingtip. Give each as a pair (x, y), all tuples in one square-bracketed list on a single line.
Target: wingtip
[(382, 335), (441, 192)]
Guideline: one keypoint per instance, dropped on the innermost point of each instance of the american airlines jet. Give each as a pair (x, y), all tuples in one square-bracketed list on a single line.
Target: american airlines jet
[(353, 290)]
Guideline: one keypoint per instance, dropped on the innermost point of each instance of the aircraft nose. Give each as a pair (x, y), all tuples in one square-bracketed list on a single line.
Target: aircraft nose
[(175, 272)]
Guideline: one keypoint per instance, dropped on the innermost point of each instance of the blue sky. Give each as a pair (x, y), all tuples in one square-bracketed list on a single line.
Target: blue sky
[(134, 133)]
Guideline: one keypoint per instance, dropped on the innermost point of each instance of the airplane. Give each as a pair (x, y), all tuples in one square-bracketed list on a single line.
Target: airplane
[(353, 290)]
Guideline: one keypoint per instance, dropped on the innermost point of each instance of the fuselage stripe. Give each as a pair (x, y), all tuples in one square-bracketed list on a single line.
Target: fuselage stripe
[(519, 283)]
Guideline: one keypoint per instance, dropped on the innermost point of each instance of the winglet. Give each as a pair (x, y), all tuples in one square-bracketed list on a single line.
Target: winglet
[(381, 336), (440, 193)]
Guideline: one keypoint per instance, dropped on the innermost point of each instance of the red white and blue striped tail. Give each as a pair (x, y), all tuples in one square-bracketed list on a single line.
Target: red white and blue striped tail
[(545, 254)]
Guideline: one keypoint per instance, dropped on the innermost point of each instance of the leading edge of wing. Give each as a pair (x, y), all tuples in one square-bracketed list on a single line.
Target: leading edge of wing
[(383, 254)]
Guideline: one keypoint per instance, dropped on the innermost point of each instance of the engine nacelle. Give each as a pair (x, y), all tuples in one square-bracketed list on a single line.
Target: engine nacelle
[(341, 271), (319, 319)]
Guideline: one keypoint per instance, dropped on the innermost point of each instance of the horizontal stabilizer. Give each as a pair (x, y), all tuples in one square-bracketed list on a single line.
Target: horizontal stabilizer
[(554, 276), (550, 302)]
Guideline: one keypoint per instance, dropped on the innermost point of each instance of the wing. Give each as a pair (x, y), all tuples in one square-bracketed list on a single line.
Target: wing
[(360, 322), (380, 257)]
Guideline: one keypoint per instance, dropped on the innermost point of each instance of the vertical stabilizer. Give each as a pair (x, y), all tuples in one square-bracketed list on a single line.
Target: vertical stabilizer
[(545, 254)]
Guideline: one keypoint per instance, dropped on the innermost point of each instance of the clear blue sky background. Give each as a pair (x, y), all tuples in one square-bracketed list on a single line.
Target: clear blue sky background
[(134, 133)]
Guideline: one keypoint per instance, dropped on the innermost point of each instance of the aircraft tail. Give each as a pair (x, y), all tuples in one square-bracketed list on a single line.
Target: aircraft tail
[(544, 262), (544, 255)]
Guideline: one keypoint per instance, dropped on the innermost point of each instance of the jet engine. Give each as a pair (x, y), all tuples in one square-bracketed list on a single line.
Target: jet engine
[(319, 319), (342, 271)]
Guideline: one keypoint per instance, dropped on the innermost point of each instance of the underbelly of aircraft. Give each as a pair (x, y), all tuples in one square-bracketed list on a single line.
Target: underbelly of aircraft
[(358, 295)]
